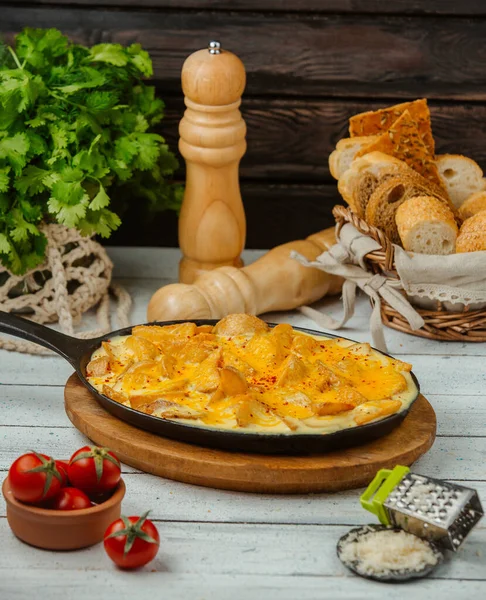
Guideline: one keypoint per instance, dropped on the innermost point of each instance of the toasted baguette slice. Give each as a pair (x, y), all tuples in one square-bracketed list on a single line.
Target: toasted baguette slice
[(461, 176), (346, 149), (367, 172), (402, 140), (426, 226), (388, 196), (472, 205), (378, 121), (472, 235)]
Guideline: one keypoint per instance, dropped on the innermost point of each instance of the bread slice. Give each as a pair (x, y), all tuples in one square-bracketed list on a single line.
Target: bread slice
[(472, 235), (359, 181), (461, 176), (402, 140), (387, 198), (378, 121), (346, 150), (367, 172), (472, 205), (426, 226)]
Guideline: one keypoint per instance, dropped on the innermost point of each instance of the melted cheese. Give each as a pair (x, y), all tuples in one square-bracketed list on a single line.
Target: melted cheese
[(259, 380)]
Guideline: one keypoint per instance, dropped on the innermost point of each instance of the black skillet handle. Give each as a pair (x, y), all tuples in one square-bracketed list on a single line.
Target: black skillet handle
[(69, 347)]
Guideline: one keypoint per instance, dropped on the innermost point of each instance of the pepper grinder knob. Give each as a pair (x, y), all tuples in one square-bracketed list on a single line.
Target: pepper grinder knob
[(212, 225)]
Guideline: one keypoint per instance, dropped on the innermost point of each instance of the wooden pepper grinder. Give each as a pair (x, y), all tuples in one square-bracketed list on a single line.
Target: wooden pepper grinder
[(273, 282), (212, 225)]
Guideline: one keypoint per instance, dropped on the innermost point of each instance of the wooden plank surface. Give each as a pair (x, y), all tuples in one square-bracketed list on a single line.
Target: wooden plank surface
[(291, 139), (227, 548), (225, 544), (303, 54), (449, 458), (126, 586), (412, 7), (275, 214)]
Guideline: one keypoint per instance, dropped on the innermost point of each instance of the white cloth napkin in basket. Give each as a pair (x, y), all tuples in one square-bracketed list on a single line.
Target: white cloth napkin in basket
[(456, 281)]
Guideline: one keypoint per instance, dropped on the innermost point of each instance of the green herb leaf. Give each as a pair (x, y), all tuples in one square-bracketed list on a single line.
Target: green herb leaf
[(4, 179), (14, 151), (77, 144), (114, 54), (32, 180), (5, 246), (101, 200)]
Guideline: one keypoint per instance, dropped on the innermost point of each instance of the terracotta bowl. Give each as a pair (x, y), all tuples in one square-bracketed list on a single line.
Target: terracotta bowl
[(62, 529)]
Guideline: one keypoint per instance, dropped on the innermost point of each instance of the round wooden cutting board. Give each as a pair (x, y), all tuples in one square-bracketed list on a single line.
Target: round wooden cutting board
[(331, 472)]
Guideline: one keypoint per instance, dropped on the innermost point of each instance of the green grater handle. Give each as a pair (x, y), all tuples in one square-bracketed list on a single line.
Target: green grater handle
[(379, 489)]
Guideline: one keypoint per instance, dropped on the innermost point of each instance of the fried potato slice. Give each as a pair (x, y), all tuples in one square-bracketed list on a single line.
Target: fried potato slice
[(107, 347), (303, 345), (195, 350), (288, 403), (142, 375), (141, 348), (345, 398), (399, 365), (284, 335), (382, 383), (175, 335), (265, 350), (153, 333), (250, 411), (206, 376), (171, 389), (204, 329), (98, 367), (368, 411), (167, 365), (324, 378), (231, 359), (240, 324), (168, 409), (145, 400), (233, 382), (293, 370), (111, 393), (181, 330)]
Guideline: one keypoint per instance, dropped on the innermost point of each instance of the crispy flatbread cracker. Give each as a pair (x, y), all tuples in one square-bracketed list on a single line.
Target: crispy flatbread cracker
[(378, 121), (402, 140)]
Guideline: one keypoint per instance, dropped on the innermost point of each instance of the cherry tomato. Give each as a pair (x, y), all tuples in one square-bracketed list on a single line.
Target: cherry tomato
[(62, 468), (94, 469), (34, 478), (132, 542), (70, 498)]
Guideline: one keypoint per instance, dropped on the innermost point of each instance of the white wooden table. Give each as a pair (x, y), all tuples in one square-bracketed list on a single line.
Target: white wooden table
[(220, 545)]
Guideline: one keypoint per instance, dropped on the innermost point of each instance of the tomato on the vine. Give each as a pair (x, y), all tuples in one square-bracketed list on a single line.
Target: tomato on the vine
[(94, 470), (132, 542), (70, 499), (62, 468), (34, 478)]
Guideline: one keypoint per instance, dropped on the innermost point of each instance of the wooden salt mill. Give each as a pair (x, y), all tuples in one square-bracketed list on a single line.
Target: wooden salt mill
[(212, 225), (273, 282)]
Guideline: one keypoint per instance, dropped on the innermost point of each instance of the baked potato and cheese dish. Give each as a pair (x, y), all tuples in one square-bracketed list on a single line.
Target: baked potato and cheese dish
[(243, 375)]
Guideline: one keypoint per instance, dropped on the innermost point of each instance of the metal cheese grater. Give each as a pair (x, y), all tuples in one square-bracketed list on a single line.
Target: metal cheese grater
[(429, 508)]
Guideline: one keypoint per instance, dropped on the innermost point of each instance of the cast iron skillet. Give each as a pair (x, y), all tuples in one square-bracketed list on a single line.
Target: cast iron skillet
[(78, 353)]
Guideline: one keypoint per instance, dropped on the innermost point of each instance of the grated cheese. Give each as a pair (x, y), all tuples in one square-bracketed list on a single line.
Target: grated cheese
[(386, 551)]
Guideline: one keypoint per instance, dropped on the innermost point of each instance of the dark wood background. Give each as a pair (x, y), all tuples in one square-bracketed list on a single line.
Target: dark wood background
[(310, 65)]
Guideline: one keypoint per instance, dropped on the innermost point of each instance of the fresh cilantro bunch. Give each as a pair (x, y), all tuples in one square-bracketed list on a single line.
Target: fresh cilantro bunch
[(76, 133)]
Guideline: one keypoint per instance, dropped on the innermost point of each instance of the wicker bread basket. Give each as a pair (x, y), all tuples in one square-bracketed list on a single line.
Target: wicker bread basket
[(440, 324)]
